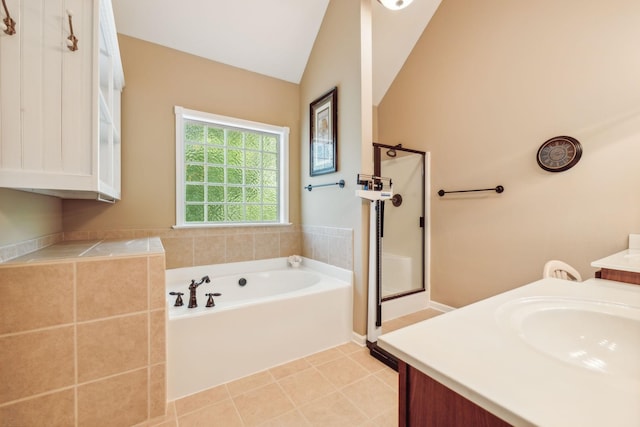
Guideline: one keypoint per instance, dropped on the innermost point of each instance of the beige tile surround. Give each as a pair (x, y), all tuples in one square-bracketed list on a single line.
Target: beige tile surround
[(9, 252), (83, 357), (204, 246), (82, 340), (188, 247), (329, 245)]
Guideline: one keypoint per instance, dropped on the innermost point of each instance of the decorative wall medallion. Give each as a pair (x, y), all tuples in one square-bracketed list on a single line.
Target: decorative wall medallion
[(559, 154)]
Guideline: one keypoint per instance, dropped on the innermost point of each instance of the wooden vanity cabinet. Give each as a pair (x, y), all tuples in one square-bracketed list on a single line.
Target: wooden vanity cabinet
[(425, 402), (619, 276)]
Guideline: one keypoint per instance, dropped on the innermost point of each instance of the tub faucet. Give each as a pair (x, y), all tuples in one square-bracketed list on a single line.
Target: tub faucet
[(193, 302)]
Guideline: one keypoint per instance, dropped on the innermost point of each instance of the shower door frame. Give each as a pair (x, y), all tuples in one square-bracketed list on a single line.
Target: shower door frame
[(377, 166), (375, 328)]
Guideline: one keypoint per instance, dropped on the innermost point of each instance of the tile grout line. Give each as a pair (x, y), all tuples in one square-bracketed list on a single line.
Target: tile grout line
[(76, 411), (111, 376), (297, 407), (335, 389), (355, 405), (342, 388), (339, 389), (37, 395), (35, 330), (233, 402), (149, 341)]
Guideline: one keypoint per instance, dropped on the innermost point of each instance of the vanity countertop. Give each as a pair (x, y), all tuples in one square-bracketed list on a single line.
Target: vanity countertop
[(550, 353), (627, 260), (91, 249)]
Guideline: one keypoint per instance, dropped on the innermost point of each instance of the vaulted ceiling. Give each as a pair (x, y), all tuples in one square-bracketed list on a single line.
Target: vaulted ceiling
[(273, 38)]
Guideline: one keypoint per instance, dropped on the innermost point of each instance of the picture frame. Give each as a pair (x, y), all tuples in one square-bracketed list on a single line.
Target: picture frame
[(323, 141)]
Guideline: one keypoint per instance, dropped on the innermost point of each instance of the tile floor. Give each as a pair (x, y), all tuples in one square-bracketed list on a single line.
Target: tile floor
[(342, 387), (410, 319)]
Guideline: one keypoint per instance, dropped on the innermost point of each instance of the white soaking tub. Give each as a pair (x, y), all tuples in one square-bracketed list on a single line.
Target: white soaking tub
[(279, 314)]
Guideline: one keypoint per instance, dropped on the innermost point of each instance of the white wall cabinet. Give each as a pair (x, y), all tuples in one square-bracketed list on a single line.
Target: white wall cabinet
[(60, 109)]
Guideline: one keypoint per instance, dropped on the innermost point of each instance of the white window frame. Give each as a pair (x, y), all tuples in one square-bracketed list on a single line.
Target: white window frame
[(183, 114)]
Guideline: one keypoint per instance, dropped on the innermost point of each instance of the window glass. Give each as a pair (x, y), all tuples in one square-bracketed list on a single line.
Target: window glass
[(230, 170)]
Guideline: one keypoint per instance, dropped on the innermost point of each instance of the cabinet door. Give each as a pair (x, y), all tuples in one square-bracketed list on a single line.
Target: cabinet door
[(10, 100), (79, 130), (10, 116), (41, 54), (31, 86)]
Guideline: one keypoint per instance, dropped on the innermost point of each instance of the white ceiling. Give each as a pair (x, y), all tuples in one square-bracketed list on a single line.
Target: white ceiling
[(272, 37)]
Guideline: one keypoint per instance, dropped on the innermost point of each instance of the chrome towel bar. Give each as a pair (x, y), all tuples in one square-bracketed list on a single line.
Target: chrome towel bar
[(339, 184)]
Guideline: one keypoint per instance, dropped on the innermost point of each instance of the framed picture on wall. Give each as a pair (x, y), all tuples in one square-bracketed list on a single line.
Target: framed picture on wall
[(323, 150)]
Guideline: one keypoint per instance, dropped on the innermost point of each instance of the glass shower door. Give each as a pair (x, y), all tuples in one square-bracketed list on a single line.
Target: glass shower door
[(403, 232)]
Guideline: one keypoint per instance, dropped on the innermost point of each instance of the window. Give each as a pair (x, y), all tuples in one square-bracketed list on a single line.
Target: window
[(229, 171)]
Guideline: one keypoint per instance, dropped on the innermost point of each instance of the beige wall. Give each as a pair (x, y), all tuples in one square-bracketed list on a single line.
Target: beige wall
[(157, 79), (341, 57), (485, 85), (25, 216)]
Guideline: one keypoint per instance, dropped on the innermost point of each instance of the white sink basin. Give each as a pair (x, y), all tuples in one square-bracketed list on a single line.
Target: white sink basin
[(602, 337)]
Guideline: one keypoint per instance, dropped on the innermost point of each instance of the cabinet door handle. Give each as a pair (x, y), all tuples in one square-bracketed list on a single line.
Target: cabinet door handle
[(8, 24), (72, 40)]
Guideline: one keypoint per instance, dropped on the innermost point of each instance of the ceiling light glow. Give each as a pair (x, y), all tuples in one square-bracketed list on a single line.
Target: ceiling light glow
[(395, 4)]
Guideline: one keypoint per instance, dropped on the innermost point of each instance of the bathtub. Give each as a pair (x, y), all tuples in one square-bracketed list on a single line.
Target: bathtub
[(281, 314)]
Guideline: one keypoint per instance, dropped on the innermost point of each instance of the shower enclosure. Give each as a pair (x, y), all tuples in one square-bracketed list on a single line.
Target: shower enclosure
[(403, 251), (400, 238), (403, 254)]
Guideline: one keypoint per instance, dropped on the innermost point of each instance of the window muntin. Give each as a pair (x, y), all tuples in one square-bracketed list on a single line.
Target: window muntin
[(229, 171)]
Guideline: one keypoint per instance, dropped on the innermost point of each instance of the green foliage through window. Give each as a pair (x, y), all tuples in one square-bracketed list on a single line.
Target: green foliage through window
[(232, 175)]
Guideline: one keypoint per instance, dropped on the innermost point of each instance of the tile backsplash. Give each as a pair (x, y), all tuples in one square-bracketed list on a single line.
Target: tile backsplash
[(9, 252), (203, 246), (189, 247), (330, 245)]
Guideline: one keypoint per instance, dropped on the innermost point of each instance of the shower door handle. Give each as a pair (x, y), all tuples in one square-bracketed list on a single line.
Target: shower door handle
[(421, 222), (381, 213)]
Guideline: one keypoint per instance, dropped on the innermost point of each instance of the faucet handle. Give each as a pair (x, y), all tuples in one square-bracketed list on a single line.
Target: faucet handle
[(210, 302), (179, 301)]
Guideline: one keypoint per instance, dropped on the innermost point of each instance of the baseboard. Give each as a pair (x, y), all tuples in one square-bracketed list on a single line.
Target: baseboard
[(361, 340), (440, 307)]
